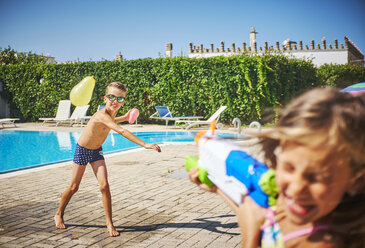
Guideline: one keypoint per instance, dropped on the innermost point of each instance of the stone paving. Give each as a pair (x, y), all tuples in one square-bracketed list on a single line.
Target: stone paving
[(154, 204)]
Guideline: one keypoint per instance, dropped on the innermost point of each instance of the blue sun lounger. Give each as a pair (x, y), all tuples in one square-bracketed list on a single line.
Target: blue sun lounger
[(163, 113)]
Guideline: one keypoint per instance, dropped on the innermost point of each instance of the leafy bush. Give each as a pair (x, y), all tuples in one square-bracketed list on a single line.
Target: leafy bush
[(340, 76), (248, 85)]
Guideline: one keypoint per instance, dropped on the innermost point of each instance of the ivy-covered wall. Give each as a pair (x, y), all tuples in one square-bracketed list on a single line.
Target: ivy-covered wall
[(248, 85)]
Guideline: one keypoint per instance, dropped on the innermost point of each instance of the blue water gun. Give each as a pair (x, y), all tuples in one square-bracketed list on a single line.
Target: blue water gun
[(223, 163)]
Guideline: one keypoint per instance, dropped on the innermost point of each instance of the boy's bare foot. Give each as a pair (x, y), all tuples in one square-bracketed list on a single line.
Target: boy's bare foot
[(112, 232), (59, 222)]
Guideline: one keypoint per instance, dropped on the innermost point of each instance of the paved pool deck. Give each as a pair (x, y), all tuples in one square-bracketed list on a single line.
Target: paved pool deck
[(154, 203)]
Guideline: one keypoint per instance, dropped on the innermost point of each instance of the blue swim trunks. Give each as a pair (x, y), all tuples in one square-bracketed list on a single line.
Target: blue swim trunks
[(83, 156)]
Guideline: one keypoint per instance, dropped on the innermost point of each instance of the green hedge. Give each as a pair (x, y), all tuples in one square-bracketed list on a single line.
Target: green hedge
[(340, 76), (248, 85)]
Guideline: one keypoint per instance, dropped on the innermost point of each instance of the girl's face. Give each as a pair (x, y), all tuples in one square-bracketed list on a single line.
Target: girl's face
[(311, 183)]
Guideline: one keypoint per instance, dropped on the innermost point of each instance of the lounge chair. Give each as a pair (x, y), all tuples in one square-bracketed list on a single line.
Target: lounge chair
[(100, 107), (85, 119), (10, 121), (164, 113), (78, 116), (63, 113), (215, 116)]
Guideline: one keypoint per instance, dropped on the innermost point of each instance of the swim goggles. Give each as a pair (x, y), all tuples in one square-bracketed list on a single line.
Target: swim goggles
[(111, 98)]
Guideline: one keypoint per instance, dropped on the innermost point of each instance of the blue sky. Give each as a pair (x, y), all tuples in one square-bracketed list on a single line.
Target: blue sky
[(84, 30)]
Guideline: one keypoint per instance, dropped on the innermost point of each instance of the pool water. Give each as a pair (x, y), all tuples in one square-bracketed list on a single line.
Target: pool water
[(28, 149)]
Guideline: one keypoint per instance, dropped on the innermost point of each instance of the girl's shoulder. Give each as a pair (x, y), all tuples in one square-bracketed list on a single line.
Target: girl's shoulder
[(304, 235), (314, 239)]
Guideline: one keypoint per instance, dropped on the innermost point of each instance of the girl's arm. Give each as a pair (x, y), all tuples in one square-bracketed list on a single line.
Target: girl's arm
[(230, 203), (250, 215), (250, 219)]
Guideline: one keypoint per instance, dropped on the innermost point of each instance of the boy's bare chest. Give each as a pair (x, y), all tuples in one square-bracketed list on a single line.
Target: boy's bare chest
[(94, 136), (100, 132)]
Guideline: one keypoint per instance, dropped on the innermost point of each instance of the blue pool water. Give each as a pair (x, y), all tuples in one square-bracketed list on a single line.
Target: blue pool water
[(28, 149)]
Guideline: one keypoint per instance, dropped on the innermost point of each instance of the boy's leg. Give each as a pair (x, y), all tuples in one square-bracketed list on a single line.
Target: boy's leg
[(101, 174), (77, 173)]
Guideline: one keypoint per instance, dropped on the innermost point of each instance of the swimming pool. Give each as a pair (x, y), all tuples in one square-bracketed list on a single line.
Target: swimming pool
[(28, 149)]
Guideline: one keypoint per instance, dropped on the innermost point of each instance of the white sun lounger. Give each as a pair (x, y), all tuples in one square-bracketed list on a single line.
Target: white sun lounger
[(10, 121), (215, 116), (78, 116), (63, 113)]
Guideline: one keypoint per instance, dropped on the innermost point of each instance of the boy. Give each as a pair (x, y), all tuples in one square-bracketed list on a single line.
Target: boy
[(89, 150)]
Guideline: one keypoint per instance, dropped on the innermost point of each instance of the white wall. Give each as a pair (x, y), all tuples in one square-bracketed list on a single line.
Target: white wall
[(318, 57), (208, 55), (322, 57)]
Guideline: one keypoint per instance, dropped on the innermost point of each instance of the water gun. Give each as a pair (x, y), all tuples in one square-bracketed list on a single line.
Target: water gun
[(223, 163)]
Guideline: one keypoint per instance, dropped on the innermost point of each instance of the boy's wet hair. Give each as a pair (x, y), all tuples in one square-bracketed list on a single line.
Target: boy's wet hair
[(117, 85)]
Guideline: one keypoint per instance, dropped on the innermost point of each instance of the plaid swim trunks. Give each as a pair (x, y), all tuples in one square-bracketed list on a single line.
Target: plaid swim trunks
[(83, 156)]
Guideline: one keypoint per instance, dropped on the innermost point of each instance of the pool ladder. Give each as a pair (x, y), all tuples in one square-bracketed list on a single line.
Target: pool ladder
[(237, 122)]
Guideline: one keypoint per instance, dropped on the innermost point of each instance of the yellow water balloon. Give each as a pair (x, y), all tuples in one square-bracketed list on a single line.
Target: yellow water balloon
[(81, 93)]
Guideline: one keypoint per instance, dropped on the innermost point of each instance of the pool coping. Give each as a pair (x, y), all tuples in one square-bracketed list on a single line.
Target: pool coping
[(133, 128)]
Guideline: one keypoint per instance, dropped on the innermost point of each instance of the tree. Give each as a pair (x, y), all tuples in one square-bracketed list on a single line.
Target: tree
[(9, 56)]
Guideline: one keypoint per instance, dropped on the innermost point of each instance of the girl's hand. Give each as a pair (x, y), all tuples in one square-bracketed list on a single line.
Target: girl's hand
[(194, 177), (153, 146), (250, 219)]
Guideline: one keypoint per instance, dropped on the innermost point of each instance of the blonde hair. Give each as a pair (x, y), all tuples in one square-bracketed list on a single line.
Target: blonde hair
[(336, 120), (326, 117), (117, 85)]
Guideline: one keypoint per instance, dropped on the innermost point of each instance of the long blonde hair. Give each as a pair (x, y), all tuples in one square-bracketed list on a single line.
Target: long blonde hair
[(322, 116), (336, 120)]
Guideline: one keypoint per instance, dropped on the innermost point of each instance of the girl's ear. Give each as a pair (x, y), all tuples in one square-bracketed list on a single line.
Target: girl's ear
[(357, 183), (105, 99)]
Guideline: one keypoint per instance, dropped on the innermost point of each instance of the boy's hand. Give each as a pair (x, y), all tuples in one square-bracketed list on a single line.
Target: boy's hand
[(194, 177), (122, 118), (125, 116), (153, 146)]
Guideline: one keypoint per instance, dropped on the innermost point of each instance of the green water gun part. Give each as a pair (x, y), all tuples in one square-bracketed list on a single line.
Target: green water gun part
[(192, 162)]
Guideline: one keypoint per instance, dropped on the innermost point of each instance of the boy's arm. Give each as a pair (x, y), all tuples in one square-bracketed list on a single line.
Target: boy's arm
[(122, 118), (127, 134)]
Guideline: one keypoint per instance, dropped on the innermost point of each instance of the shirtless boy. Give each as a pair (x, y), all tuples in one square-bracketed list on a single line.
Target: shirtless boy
[(89, 150)]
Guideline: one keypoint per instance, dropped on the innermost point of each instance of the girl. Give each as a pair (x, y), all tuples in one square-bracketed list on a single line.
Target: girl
[(318, 151)]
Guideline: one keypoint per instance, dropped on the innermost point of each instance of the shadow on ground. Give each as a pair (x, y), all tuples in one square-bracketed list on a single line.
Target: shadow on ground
[(200, 223)]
